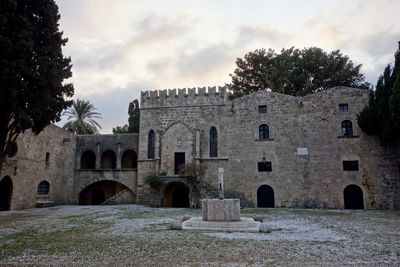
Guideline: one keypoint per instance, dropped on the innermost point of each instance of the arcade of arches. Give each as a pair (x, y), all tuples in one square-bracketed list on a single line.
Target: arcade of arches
[(109, 160), (98, 192), (176, 195), (6, 189)]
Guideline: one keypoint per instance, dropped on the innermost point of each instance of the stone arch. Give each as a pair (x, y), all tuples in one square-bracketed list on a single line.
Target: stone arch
[(108, 160), (43, 188), (88, 160), (178, 147), (129, 159), (176, 195), (353, 197), (98, 192), (6, 190), (265, 197)]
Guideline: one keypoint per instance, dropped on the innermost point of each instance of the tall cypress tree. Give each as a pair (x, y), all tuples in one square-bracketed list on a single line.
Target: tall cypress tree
[(32, 69), (382, 115)]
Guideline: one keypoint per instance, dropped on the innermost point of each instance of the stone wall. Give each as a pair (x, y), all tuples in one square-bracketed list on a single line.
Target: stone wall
[(103, 146), (306, 147), (49, 157)]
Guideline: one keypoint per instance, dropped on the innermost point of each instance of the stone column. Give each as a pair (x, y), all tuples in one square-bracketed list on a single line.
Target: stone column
[(119, 156), (221, 183), (98, 156)]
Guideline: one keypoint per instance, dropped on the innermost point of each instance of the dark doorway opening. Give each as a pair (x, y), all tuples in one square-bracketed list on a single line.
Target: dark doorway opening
[(88, 160), (179, 161), (353, 197), (265, 197), (6, 188), (176, 195), (98, 196)]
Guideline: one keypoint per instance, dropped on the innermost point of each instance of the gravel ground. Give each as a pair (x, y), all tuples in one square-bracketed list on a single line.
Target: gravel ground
[(141, 236)]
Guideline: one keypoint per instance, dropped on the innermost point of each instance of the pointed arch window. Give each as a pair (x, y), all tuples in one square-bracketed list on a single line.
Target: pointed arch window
[(213, 143), (151, 145), (347, 128), (263, 132)]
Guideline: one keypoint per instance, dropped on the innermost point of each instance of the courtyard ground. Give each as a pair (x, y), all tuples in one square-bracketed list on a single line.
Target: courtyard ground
[(141, 236)]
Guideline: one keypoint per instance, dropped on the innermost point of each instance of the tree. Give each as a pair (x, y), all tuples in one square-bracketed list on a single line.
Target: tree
[(133, 120), (82, 117), (32, 69), (294, 72), (382, 115)]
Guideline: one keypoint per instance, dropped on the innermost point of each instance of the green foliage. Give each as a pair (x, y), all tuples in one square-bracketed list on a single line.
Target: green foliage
[(192, 170), (294, 72), (133, 120), (32, 68), (82, 117), (154, 181), (382, 115), (120, 129)]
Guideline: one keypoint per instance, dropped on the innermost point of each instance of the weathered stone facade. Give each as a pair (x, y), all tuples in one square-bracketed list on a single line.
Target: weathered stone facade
[(305, 149), (49, 157), (276, 151)]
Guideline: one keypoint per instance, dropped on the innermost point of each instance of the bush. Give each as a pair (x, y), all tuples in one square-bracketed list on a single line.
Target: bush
[(154, 181)]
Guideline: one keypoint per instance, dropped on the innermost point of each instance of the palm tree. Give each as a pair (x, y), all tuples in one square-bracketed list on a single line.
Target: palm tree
[(81, 118)]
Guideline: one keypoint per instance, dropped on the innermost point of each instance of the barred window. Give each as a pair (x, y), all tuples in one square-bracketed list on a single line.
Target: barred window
[(343, 108), (43, 188), (213, 143), (265, 166), (350, 165), (262, 109)]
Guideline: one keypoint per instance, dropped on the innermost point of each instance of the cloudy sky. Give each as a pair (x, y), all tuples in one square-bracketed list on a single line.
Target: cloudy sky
[(121, 47)]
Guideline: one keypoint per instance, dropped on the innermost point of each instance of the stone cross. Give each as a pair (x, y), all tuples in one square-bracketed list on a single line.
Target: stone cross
[(221, 183)]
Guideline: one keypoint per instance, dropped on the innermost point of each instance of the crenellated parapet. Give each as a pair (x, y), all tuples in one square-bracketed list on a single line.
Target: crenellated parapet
[(200, 96)]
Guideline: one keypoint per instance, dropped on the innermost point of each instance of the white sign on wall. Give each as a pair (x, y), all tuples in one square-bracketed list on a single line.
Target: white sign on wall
[(302, 151)]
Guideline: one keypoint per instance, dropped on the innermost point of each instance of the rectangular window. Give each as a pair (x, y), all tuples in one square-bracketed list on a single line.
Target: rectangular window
[(262, 109), (264, 166), (47, 158), (350, 165), (179, 161), (343, 108)]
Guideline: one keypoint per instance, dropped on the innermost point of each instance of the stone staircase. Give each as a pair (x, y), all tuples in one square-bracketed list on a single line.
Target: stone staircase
[(124, 196)]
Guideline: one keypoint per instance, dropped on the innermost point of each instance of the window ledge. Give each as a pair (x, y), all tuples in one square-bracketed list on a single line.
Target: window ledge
[(215, 158), (348, 137), (264, 140)]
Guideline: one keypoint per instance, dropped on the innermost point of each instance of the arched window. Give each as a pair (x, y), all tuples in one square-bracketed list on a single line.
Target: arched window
[(108, 160), (347, 128), (129, 160), (151, 145), (213, 143), (43, 188), (263, 132), (88, 160)]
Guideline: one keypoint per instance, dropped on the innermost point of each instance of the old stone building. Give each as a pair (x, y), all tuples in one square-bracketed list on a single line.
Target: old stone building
[(276, 151)]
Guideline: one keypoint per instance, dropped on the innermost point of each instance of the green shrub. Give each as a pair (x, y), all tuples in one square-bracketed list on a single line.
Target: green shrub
[(154, 181)]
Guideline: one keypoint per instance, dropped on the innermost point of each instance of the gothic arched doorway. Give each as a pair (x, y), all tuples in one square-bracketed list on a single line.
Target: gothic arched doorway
[(6, 189), (353, 197), (265, 197), (176, 195)]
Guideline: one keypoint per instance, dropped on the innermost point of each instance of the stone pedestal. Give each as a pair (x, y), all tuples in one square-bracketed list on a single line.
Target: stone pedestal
[(221, 215), (220, 210)]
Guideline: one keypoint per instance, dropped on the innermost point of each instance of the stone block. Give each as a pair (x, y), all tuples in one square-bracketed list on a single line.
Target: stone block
[(220, 209)]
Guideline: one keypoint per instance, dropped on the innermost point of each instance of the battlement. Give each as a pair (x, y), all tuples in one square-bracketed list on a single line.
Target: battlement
[(184, 97)]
